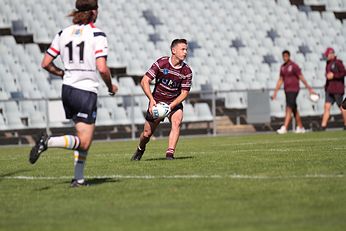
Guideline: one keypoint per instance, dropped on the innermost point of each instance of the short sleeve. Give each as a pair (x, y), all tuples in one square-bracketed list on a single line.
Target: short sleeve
[(281, 72), (187, 81), (297, 70), (101, 45), (153, 71), (54, 49)]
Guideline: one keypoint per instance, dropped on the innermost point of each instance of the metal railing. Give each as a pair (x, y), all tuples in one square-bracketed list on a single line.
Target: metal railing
[(211, 95)]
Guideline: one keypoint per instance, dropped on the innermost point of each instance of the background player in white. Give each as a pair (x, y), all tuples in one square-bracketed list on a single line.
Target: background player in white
[(83, 50), (172, 85)]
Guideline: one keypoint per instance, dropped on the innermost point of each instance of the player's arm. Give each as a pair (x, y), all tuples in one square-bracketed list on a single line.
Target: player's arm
[(183, 95), (341, 71), (311, 91), (277, 88), (145, 84), (48, 65), (105, 73)]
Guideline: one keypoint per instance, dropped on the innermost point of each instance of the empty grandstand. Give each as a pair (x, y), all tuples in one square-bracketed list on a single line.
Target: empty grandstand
[(236, 52)]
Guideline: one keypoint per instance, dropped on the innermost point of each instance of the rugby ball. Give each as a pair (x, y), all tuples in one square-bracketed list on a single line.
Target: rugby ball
[(314, 97), (161, 110)]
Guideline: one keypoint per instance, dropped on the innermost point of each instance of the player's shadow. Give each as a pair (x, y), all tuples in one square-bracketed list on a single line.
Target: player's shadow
[(175, 158), (99, 181), (9, 174)]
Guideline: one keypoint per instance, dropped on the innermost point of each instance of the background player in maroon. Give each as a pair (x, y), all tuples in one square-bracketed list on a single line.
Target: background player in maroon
[(335, 85), (172, 85), (290, 74)]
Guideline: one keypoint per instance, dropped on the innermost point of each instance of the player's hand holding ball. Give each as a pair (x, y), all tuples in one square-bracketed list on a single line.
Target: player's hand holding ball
[(161, 110), (152, 103)]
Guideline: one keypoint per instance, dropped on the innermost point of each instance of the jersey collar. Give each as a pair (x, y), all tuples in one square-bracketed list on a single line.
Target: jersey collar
[(170, 62)]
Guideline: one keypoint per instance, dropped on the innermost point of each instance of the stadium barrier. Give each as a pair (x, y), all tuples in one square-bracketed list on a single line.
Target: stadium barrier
[(208, 105)]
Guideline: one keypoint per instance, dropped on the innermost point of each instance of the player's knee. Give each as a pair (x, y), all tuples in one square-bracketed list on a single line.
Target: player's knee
[(176, 124), (343, 105), (327, 107), (84, 145), (147, 134), (294, 110)]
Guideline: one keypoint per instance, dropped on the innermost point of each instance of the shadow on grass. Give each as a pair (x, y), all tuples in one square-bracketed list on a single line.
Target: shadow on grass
[(13, 173), (175, 158), (91, 182), (98, 181)]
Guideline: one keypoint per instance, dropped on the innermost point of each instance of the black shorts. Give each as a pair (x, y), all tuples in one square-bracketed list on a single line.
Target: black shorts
[(149, 117), (291, 99), (334, 98), (79, 105)]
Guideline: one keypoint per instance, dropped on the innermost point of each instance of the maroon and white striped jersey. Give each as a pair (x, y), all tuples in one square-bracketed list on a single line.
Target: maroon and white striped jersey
[(169, 80)]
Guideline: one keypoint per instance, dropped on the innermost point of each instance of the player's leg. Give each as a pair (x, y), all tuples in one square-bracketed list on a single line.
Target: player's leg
[(85, 132), (288, 117), (326, 115), (80, 106), (298, 120), (343, 105), (300, 128), (330, 100), (343, 108), (339, 101), (148, 131), (44, 142), (343, 112), (176, 119), (290, 100)]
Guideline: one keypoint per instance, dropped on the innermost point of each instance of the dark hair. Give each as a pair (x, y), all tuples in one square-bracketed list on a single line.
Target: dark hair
[(286, 52), (84, 11), (177, 41)]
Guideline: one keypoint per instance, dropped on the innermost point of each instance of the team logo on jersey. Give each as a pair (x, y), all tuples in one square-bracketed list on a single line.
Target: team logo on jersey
[(170, 83), (165, 71), (77, 32), (290, 68)]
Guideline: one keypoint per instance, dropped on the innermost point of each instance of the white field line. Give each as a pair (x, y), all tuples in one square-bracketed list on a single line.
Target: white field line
[(153, 177)]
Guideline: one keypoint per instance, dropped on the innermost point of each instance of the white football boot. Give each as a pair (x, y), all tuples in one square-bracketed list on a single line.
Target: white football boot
[(282, 130), (300, 130)]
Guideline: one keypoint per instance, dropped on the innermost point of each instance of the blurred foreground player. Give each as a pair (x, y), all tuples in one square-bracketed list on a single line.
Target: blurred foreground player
[(172, 85), (83, 50), (290, 74), (335, 86)]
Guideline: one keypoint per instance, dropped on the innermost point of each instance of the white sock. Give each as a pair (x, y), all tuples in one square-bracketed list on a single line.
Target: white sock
[(67, 141), (79, 164)]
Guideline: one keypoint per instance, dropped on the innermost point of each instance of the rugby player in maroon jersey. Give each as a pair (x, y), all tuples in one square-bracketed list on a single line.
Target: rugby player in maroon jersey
[(290, 74), (335, 86), (172, 85)]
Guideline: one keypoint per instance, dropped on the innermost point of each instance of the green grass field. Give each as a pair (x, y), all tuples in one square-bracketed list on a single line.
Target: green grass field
[(253, 182)]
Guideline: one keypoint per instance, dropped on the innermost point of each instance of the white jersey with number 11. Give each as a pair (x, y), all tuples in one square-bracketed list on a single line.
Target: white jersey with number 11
[(79, 46)]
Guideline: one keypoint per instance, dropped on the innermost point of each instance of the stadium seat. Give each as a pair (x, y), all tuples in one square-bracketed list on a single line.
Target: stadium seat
[(203, 112), (189, 113), (277, 109), (220, 53), (135, 115), (104, 117), (37, 120), (14, 120), (3, 125), (236, 100), (120, 117)]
